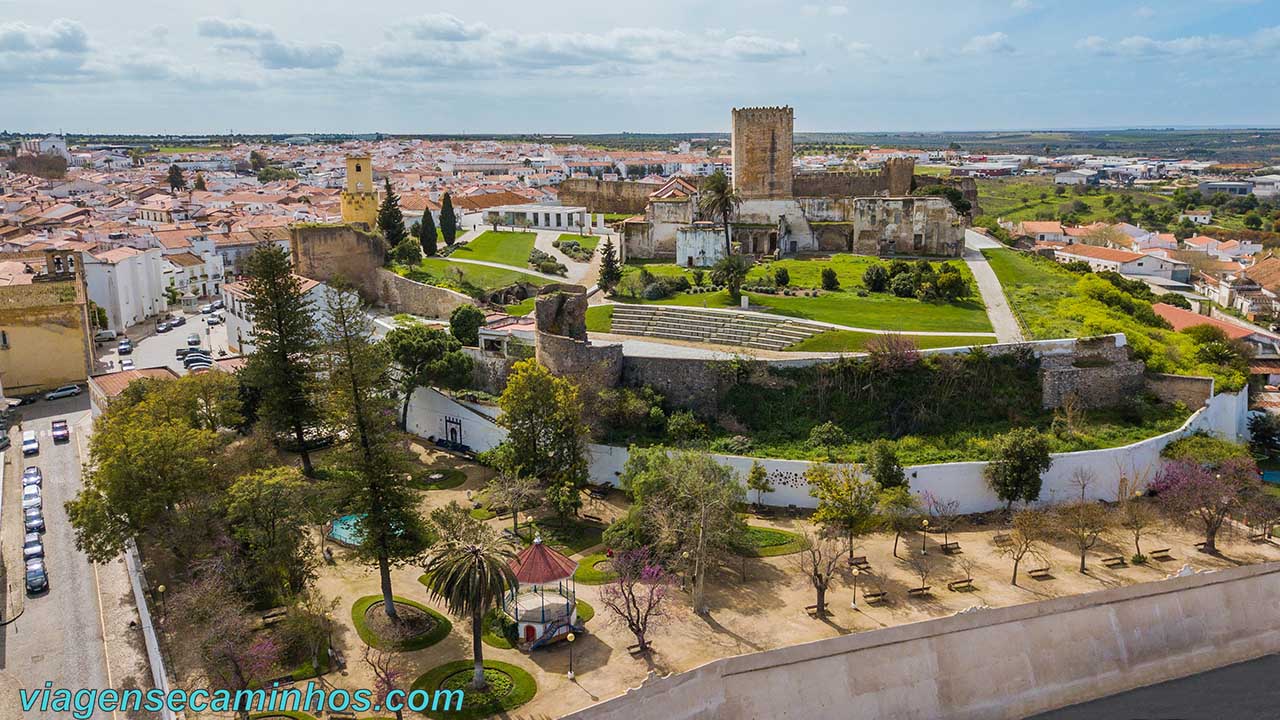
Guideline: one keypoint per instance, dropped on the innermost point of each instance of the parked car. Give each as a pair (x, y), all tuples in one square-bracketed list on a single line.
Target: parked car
[(206, 309), (193, 340), (31, 497), (217, 305), (125, 347), (32, 547), (163, 327), (30, 443), (181, 352), (196, 359), (32, 476), (213, 320), (62, 392), (126, 364), (104, 336), (25, 400), (37, 576), (61, 431), (177, 320), (33, 519)]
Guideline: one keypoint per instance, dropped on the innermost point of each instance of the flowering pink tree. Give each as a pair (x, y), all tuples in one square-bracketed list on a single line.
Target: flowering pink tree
[(638, 597), (388, 674), (1204, 497)]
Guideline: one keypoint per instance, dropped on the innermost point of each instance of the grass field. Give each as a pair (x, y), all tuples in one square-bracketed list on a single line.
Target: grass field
[(506, 248), (1034, 286), (588, 242), (852, 341), (1019, 199), (877, 311), (600, 318), (440, 271), (520, 309)]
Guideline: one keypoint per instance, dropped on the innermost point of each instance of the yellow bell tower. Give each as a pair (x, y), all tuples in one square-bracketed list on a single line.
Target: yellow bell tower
[(360, 197)]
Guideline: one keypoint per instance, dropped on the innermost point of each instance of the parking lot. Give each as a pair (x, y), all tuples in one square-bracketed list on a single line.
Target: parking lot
[(152, 349)]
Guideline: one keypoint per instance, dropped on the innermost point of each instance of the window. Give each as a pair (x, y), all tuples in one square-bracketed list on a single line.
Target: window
[(4, 340)]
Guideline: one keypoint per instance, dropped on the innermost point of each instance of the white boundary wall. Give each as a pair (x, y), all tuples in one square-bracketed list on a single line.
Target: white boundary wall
[(431, 414)]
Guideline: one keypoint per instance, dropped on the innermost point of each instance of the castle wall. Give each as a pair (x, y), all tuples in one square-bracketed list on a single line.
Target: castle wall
[(762, 141), (606, 196), (329, 252), (922, 226), (402, 295), (1194, 392)]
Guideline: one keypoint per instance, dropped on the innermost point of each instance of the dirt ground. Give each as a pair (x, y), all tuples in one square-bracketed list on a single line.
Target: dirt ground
[(766, 609)]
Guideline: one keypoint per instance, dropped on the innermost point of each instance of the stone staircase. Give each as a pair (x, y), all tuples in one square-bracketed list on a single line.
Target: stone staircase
[(718, 327)]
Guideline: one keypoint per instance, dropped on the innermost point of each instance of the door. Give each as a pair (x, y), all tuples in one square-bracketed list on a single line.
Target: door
[(530, 634)]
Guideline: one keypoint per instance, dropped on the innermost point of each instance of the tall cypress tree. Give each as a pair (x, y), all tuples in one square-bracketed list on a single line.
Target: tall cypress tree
[(281, 369), (448, 221), (176, 180), (390, 219), (610, 271), (428, 236)]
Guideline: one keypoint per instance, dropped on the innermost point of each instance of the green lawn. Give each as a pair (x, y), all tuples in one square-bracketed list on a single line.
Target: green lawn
[(506, 248), (1034, 286), (573, 536), (588, 242), (853, 341), (522, 308), (600, 318), (771, 542), (594, 570), (878, 311), (442, 272)]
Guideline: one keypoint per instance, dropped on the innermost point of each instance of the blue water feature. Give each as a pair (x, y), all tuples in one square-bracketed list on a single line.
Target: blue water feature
[(1271, 476), (346, 530)]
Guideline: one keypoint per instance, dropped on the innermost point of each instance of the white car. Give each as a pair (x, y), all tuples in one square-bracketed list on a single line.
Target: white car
[(126, 364), (31, 497), (30, 443)]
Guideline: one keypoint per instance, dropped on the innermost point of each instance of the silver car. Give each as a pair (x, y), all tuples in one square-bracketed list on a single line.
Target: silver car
[(32, 546), (31, 497)]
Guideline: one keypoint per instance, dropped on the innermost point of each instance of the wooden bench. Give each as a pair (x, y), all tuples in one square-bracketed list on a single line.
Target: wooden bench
[(282, 681), (273, 616), (918, 592), (592, 518), (1040, 573), (342, 716), (860, 562), (875, 596), (1162, 554), (1115, 561), (1002, 539), (1259, 537), (964, 585), (950, 548)]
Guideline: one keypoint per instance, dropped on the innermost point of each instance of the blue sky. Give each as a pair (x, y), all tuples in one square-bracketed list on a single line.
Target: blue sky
[(656, 66)]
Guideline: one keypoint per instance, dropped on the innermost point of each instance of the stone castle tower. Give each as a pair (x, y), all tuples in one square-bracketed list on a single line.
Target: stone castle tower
[(360, 196), (899, 173), (762, 148)]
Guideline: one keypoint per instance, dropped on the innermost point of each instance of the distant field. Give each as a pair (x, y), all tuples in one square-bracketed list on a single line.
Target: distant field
[(506, 248), (1018, 199), (851, 341)]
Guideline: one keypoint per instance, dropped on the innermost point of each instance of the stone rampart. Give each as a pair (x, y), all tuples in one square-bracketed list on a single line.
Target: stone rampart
[(402, 295)]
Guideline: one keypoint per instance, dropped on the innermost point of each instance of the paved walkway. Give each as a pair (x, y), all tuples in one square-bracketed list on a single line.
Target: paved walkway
[(998, 311), (527, 271)]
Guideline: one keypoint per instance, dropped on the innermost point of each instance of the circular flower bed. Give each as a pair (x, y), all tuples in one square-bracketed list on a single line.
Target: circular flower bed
[(509, 687), (419, 626), (437, 478), (594, 570), (771, 542)]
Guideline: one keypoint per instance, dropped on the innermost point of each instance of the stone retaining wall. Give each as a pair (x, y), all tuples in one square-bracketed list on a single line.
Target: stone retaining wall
[(402, 295)]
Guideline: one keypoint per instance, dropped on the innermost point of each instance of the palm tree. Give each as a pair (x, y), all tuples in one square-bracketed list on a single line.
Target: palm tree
[(471, 573), (718, 197)]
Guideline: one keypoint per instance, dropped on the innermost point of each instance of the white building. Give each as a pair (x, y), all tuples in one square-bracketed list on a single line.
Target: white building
[(127, 283), (542, 217), (240, 328), (1121, 261), (1079, 176), (1199, 217)]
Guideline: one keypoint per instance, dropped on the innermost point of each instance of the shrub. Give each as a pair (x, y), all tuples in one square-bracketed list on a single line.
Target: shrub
[(781, 277), (829, 279), (898, 267), (464, 324), (903, 285), (685, 429), (1204, 449), (876, 278), (551, 267), (654, 291), (951, 285), (698, 275)]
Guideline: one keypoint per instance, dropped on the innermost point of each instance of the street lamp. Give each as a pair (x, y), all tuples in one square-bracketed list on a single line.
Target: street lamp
[(571, 637), (856, 573), (160, 596), (924, 534)]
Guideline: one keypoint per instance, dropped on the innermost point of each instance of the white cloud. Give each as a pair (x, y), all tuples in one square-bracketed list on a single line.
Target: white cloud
[(759, 49), (1263, 43), (233, 29), (58, 50), (443, 26), (996, 42), (1022, 5), (276, 55)]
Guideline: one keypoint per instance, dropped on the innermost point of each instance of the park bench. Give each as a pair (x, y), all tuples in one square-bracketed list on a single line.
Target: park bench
[(1040, 573), (342, 716), (1161, 554), (1115, 561), (950, 548), (1002, 539), (918, 592), (860, 562), (510, 534), (273, 616), (964, 585), (875, 596), (592, 518), (282, 681)]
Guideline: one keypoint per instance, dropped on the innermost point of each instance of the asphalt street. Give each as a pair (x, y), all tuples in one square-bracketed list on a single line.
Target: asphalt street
[(152, 349)]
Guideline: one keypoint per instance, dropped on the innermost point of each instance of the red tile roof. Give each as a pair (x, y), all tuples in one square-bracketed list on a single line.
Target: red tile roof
[(539, 564), (1100, 253), (112, 384), (1182, 319)]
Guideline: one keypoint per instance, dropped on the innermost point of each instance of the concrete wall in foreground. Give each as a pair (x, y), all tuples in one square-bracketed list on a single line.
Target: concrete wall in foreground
[(987, 664)]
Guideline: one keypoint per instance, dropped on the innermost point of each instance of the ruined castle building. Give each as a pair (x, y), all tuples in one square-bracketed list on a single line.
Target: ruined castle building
[(762, 151), (359, 196)]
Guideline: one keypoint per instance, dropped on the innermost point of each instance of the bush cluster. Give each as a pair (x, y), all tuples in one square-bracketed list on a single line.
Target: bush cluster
[(919, 280), (573, 249), (544, 263), (644, 284)]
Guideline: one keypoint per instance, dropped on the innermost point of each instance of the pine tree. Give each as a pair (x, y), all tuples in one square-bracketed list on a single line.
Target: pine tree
[(610, 270), (281, 367), (390, 219), (428, 234), (199, 185), (448, 221), (176, 180)]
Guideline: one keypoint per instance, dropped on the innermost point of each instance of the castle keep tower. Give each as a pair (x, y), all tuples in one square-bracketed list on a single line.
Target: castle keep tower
[(360, 197), (762, 148)]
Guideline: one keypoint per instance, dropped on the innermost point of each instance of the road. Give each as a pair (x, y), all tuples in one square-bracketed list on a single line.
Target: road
[(998, 311), (77, 634), (1245, 691), (151, 349)]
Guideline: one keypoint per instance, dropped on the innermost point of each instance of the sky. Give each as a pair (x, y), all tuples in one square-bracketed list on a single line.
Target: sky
[(583, 66)]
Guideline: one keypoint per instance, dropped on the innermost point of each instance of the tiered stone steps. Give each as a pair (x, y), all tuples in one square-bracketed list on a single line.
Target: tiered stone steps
[(722, 328)]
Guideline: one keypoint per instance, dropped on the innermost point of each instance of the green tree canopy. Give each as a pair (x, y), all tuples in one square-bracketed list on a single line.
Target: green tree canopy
[(1019, 459), (390, 219), (427, 356)]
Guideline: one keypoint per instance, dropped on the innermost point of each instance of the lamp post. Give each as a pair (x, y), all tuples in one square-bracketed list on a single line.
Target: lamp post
[(924, 534), (571, 637), (856, 573), (160, 596)]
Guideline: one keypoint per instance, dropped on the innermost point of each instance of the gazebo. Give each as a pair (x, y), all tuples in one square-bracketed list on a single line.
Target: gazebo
[(544, 607)]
